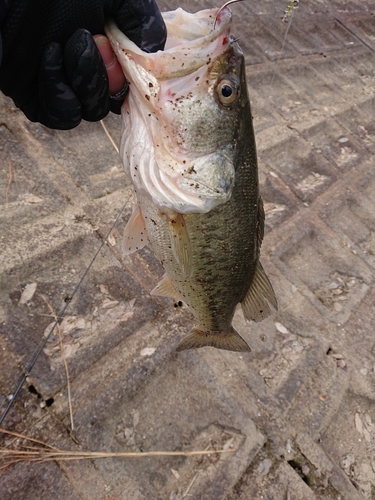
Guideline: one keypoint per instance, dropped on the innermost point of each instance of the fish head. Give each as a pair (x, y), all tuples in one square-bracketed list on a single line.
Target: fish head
[(181, 118)]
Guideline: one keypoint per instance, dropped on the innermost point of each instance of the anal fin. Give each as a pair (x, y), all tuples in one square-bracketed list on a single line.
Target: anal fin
[(256, 304), (231, 341), (165, 288), (135, 234)]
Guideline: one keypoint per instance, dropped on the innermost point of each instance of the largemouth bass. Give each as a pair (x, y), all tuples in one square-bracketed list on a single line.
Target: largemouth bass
[(188, 145)]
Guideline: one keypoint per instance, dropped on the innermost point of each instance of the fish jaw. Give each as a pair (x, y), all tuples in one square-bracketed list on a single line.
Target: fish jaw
[(192, 42), (170, 144)]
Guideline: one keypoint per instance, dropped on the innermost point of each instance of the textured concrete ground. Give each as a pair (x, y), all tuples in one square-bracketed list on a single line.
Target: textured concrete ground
[(300, 408)]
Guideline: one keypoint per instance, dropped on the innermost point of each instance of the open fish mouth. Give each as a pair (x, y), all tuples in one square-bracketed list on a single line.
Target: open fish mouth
[(192, 42), (178, 139)]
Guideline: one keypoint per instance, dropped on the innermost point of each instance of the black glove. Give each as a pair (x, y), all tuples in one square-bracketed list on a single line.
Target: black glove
[(51, 67)]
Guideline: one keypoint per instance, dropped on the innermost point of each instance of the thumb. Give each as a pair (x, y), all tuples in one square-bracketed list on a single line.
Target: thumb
[(116, 76)]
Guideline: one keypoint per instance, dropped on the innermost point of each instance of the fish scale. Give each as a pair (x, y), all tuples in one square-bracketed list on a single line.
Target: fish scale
[(198, 195), (223, 243)]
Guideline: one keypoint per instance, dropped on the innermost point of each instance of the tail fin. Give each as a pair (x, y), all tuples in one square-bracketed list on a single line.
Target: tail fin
[(230, 341)]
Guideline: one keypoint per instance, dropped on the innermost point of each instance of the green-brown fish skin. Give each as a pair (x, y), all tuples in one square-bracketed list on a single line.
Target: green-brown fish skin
[(215, 263), (188, 147)]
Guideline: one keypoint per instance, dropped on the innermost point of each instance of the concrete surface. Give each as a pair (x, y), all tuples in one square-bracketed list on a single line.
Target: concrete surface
[(300, 407)]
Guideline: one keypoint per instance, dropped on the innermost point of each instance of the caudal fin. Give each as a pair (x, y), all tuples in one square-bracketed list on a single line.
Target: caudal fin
[(230, 341)]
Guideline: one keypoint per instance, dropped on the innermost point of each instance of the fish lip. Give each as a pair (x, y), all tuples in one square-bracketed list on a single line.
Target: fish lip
[(112, 31), (194, 52)]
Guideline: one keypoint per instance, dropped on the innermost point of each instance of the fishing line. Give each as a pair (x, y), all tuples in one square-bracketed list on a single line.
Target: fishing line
[(33, 359), (288, 17)]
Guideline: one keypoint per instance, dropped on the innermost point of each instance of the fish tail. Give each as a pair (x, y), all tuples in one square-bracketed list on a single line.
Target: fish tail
[(231, 341)]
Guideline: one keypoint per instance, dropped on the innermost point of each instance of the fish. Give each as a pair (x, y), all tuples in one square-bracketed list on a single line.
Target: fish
[(188, 145)]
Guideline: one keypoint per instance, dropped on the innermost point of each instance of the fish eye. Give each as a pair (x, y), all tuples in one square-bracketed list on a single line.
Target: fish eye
[(227, 91)]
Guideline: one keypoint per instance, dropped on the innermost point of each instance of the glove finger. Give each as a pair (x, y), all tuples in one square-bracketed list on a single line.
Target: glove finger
[(143, 23), (87, 75), (59, 107)]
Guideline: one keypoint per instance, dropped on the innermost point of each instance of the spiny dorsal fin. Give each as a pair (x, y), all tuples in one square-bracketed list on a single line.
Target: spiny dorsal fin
[(165, 288), (255, 305), (135, 234), (180, 242), (231, 341)]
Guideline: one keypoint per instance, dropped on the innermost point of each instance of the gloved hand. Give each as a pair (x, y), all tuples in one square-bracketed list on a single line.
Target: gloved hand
[(51, 66)]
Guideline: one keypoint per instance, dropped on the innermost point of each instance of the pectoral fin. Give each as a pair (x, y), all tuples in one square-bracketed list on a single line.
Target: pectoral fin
[(135, 234), (165, 288), (231, 341), (180, 242), (256, 304)]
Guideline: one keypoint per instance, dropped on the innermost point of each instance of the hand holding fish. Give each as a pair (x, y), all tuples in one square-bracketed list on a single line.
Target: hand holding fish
[(50, 64)]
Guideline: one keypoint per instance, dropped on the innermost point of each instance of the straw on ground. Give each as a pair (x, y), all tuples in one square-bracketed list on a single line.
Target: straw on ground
[(45, 452)]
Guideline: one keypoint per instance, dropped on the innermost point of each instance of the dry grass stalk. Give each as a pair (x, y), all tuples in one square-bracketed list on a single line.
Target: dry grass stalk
[(190, 485), (193, 480), (109, 136), (9, 183), (46, 452), (53, 312)]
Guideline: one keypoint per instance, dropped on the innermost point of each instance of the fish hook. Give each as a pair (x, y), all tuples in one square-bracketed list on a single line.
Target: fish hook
[(223, 7)]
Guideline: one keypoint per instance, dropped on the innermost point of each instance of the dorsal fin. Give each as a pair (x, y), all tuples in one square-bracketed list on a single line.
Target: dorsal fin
[(135, 234), (255, 305)]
